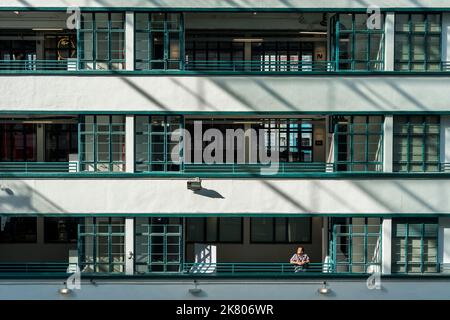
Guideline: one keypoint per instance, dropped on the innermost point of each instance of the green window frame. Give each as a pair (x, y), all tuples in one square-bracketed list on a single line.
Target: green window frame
[(101, 41), (102, 143), (159, 41), (418, 42), (355, 46), (356, 245), (415, 245), (101, 246), (214, 230), (358, 143), (416, 143), (280, 230), (159, 248), (157, 139)]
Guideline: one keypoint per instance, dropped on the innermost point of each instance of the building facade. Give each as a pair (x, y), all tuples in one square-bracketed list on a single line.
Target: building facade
[(151, 144)]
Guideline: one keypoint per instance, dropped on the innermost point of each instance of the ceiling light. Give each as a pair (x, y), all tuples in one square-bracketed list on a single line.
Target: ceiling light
[(47, 29), (248, 40), (313, 32)]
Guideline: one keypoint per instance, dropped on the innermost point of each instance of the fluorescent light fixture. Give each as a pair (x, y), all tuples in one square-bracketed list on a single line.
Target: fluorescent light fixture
[(312, 32), (47, 29), (248, 40)]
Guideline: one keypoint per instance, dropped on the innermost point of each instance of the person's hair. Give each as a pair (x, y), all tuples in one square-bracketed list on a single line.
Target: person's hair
[(303, 250)]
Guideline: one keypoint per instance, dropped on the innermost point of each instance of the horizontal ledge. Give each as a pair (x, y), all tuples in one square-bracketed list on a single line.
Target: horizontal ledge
[(164, 175)]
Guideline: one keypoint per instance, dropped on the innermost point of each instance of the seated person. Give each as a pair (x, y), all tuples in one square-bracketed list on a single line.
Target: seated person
[(300, 260)]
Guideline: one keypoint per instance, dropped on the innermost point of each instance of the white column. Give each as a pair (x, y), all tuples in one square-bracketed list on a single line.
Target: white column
[(445, 143), (389, 41), (445, 37), (329, 146), (129, 246), (129, 143), (129, 40), (444, 243), (386, 246), (388, 143), (40, 143)]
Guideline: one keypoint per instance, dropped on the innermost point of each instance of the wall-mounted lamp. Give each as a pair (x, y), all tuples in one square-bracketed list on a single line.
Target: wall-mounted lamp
[(324, 289), (195, 290), (194, 184)]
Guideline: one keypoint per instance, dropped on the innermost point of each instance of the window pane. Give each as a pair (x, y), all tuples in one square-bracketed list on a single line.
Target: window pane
[(299, 230), (262, 230), (195, 229), (230, 230)]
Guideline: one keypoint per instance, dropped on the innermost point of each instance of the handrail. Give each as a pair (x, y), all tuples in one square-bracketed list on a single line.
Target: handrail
[(38, 167), (38, 65), (276, 167), (263, 65), (260, 65), (33, 267)]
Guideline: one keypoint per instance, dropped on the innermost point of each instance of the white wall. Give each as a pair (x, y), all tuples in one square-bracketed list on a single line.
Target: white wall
[(225, 93), (232, 289), (239, 196), (229, 4)]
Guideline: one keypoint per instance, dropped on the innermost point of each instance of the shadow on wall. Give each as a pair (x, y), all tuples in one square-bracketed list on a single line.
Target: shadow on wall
[(19, 197)]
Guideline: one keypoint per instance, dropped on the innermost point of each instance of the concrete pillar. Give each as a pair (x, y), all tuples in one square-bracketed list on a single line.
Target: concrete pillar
[(446, 37), (444, 244), (389, 41), (388, 143), (129, 246), (386, 246), (40, 142), (129, 40), (129, 143), (445, 143)]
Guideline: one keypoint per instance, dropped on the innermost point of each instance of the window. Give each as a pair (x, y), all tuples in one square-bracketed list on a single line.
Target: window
[(415, 245), (63, 230), (102, 245), (18, 230), (18, 142), (61, 140), (159, 40), (102, 41), (102, 143), (416, 143), (158, 143), (356, 244), (280, 230), (214, 54), (358, 143), (417, 42), (354, 45), (214, 229)]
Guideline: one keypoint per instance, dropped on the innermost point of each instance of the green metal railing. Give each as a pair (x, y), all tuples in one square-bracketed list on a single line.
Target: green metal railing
[(246, 268), (38, 65), (260, 65), (256, 168), (34, 267), (38, 167)]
